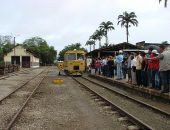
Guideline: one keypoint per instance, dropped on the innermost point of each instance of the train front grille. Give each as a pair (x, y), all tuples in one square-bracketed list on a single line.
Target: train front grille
[(76, 67)]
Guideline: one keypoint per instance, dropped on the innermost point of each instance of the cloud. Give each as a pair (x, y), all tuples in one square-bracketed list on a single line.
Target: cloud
[(62, 22)]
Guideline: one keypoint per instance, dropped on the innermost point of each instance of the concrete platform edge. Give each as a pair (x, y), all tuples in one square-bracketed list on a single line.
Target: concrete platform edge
[(146, 91)]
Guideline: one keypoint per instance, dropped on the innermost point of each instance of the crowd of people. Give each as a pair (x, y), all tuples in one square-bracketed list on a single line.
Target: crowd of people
[(144, 69)]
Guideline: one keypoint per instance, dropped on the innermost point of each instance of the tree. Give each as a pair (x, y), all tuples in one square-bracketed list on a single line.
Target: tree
[(99, 34), (125, 20), (40, 48), (90, 42), (105, 27), (70, 47), (93, 38), (5, 46), (165, 3)]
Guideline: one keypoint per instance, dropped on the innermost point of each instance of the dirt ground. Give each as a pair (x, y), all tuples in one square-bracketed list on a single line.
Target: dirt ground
[(64, 107)]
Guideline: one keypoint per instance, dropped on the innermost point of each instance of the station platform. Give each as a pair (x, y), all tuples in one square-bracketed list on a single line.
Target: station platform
[(146, 91)]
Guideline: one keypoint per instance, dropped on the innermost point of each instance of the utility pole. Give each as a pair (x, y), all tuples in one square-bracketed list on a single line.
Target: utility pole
[(14, 53)]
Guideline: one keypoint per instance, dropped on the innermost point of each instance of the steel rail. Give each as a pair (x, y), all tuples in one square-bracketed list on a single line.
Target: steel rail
[(24, 104), (20, 87), (130, 98), (131, 118)]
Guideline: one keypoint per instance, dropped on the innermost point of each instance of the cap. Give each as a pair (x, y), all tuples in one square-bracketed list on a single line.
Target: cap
[(155, 51), (120, 51)]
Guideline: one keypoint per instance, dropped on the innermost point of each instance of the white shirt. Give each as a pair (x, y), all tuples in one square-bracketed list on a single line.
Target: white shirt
[(133, 62), (104, 62)]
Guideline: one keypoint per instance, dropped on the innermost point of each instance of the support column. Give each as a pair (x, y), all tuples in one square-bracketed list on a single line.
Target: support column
[(98, 54)]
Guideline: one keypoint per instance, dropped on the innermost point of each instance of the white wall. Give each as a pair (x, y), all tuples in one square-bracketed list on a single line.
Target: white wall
[(20, 51)]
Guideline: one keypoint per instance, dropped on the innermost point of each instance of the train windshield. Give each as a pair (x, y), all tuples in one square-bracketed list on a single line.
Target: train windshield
[(80, 56), (71, 56)]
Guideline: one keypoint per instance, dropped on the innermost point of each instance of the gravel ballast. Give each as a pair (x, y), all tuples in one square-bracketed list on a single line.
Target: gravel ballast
[(64, 107), (153, 119)]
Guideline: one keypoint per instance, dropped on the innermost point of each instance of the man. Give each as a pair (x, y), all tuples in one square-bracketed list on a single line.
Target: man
[(138, 69), (119, 60), (129, 68), (103, 66), (164, 68), (155, 70), (149, 66), (110, 64)]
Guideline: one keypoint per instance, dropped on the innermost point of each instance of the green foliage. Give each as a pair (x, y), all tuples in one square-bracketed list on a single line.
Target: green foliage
[(126, 20), (70, 47), (90, 42), (105, 27), (5, 46), (41, 49)]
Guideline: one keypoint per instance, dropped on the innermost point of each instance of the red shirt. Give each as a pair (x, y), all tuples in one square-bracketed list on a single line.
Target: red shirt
[(154, 64)]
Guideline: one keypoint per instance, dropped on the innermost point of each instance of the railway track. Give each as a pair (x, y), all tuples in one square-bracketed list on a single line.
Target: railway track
[(13, 104), (16, 73), (142, 115)]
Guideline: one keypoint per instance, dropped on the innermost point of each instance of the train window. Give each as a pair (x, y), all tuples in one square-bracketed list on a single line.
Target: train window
[(71, 56), (80, 56)]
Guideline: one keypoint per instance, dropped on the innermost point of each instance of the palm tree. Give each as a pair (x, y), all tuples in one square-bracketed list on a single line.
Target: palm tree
[(165, 3), (126, 19), (99, 34), (94, 38), (106, 26), (90, 42)]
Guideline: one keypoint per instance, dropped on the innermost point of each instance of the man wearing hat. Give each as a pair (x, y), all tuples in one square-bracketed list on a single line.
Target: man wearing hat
[(164, 68), (155, 70)]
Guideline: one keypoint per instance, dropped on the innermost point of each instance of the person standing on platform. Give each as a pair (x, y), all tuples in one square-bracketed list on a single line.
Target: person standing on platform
[(110, 64), (155, 70), (144, 74), (129, 68), (164, 68), (119, 60), (138, 68), (133, 69), (149, 67)]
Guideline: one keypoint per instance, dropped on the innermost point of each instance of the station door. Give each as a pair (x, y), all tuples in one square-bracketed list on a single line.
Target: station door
[(15, 60), (26, 61)]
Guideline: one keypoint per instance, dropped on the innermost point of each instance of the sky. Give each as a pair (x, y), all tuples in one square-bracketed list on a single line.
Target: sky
[(63, 22)]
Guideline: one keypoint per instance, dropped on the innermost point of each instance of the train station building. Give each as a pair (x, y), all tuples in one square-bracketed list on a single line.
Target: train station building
[(111, 50), (20, 56)]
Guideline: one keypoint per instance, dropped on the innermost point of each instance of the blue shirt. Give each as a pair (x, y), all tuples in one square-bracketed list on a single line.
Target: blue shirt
[(119, 58)]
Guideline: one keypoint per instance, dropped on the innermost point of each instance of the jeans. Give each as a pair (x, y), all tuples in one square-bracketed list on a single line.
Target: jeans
[(157, 83), (119, 71), (165, 78), (144, 79)]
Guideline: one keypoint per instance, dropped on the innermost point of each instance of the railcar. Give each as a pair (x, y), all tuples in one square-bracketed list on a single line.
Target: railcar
[(74, 62)]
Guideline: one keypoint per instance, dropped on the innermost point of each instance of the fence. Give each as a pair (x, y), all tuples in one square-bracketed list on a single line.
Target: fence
[(5, 69)]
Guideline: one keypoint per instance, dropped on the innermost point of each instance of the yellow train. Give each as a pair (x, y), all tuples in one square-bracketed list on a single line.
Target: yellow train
[(74, 62)]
